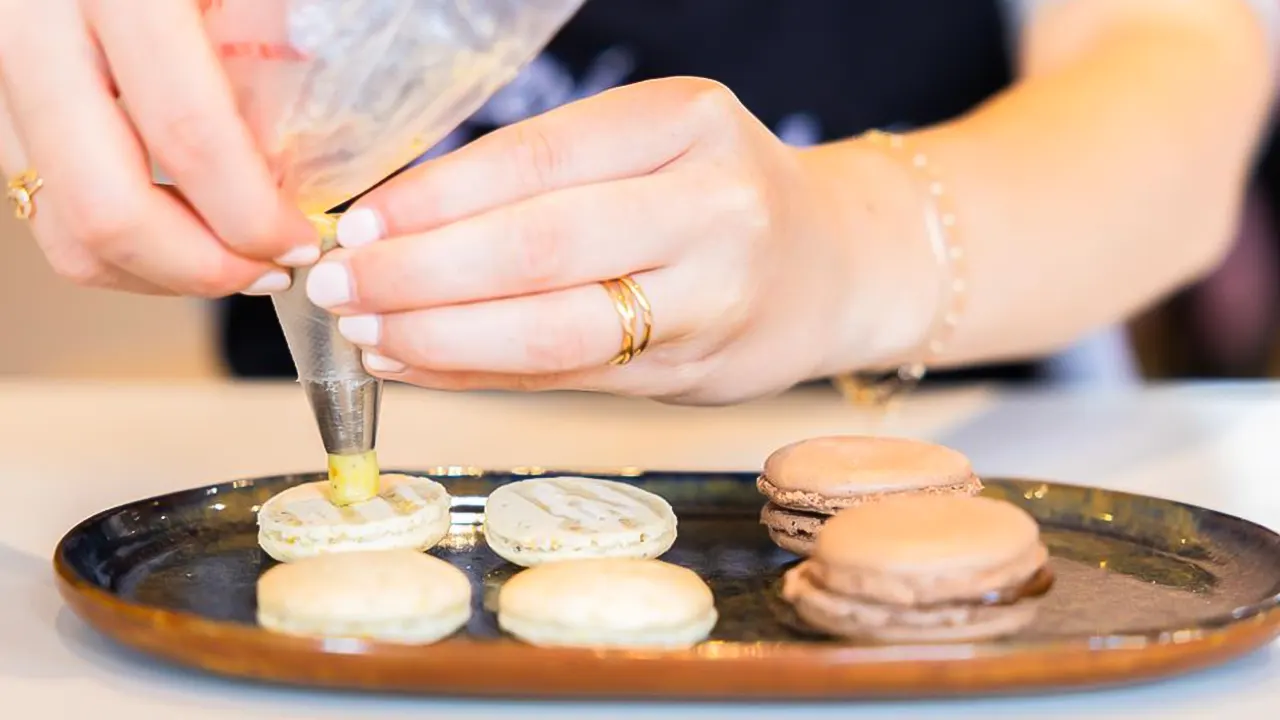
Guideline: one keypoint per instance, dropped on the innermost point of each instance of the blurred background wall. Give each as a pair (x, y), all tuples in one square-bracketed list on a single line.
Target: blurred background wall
[(49, 327)]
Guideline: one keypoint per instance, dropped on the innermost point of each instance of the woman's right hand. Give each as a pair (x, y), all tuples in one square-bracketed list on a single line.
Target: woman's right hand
[(64, 65)]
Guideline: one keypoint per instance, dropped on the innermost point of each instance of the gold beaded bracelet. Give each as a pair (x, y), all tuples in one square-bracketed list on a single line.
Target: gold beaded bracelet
[(940, 223)]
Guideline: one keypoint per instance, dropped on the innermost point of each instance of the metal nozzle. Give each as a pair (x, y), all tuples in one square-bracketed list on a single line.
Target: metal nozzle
[(346, 412), (344, 397)]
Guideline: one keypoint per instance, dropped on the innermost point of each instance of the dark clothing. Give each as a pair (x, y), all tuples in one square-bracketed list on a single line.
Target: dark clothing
[(813, 70)]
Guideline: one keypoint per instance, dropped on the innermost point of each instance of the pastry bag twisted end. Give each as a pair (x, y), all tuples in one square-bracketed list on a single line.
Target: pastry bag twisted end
[(344, 397)]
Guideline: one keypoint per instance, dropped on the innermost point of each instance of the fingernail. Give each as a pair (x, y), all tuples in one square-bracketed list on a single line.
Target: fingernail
[(361, 329), (301, 256), (329, 284), (382, 364), (271, 281), (358, 227)]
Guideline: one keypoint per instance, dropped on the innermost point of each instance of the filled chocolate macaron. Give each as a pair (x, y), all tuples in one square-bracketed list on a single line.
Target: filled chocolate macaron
[(921, 568), (827, 474), (810, 480)]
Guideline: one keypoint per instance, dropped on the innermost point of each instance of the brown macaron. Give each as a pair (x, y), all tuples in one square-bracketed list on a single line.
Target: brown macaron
[(792, 530), (922, 568), (827, 474)]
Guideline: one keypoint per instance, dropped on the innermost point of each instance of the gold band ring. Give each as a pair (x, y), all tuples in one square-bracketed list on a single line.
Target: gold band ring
[(635, 314), (645, 312), (21, 191)]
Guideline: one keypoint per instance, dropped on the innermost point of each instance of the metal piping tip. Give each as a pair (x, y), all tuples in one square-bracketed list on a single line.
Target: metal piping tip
[(346, 413), (344, 397)]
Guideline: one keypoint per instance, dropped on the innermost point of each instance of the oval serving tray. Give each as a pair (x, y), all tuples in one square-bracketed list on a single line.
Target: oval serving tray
[(1144, 588)]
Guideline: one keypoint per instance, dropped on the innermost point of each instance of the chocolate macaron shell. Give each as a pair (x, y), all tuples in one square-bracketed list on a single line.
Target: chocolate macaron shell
[(792, 530), (828, 474), (982, 624), (928, 549), (853, 617), (794, 544)]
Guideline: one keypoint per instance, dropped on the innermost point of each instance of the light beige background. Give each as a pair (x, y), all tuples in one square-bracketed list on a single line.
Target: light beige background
[(49, 327)]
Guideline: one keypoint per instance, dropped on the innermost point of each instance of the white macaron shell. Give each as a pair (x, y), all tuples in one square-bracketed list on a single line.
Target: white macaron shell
[(544, 519), (409, 512), (610, 600), (365, 593)]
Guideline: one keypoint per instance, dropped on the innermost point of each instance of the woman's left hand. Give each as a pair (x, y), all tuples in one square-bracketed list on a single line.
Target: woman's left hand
[(482, 269)]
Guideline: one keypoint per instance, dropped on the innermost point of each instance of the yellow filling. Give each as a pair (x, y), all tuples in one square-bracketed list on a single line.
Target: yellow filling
[(353, 478), (326, 226)]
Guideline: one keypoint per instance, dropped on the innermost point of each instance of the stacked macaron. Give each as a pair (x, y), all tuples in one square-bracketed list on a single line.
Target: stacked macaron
[(359, 570), (593, 579), (808, 481), (920, 568)]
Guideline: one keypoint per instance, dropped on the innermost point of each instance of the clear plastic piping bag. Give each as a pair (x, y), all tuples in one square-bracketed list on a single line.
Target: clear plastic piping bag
[(340, 94)]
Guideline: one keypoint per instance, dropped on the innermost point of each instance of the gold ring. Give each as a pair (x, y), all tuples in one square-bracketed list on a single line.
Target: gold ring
[(645, 315), (21, 191), (634, 314)]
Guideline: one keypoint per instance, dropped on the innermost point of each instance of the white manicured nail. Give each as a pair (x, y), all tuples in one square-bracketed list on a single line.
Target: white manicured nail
[(329, 284), (382, 364), (359, 227), (301, 256), (271, 282), (361, 329)]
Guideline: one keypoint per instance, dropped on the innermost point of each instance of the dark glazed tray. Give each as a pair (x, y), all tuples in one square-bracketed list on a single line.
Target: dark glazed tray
[(1145, 587)]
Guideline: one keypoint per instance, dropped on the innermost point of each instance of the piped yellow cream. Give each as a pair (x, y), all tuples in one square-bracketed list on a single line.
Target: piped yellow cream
[(353, 478)]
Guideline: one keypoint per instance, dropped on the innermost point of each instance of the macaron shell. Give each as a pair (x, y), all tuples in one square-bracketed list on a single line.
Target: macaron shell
[(928, 536), (408, 512), (790, 530), (417, 631), (794, 544), (808, 501), (985, 624), (420, 538), (541, 520), (906, 588), (384, 594), (859, 618), (518, 553), (535, 632), (607, 602), (855, 465)]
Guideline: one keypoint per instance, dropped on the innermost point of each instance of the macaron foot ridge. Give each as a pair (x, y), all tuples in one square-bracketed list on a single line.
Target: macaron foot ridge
[(808, 501)]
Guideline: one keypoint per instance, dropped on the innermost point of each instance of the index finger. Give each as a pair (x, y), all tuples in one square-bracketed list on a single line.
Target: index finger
[(179, 99), (625, 132), (97, 188)]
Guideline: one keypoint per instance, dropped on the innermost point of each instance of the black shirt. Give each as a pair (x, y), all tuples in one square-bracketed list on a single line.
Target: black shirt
[(812, 70)]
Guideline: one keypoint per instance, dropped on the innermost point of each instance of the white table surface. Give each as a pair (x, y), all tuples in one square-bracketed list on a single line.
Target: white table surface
[(71, 450)]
